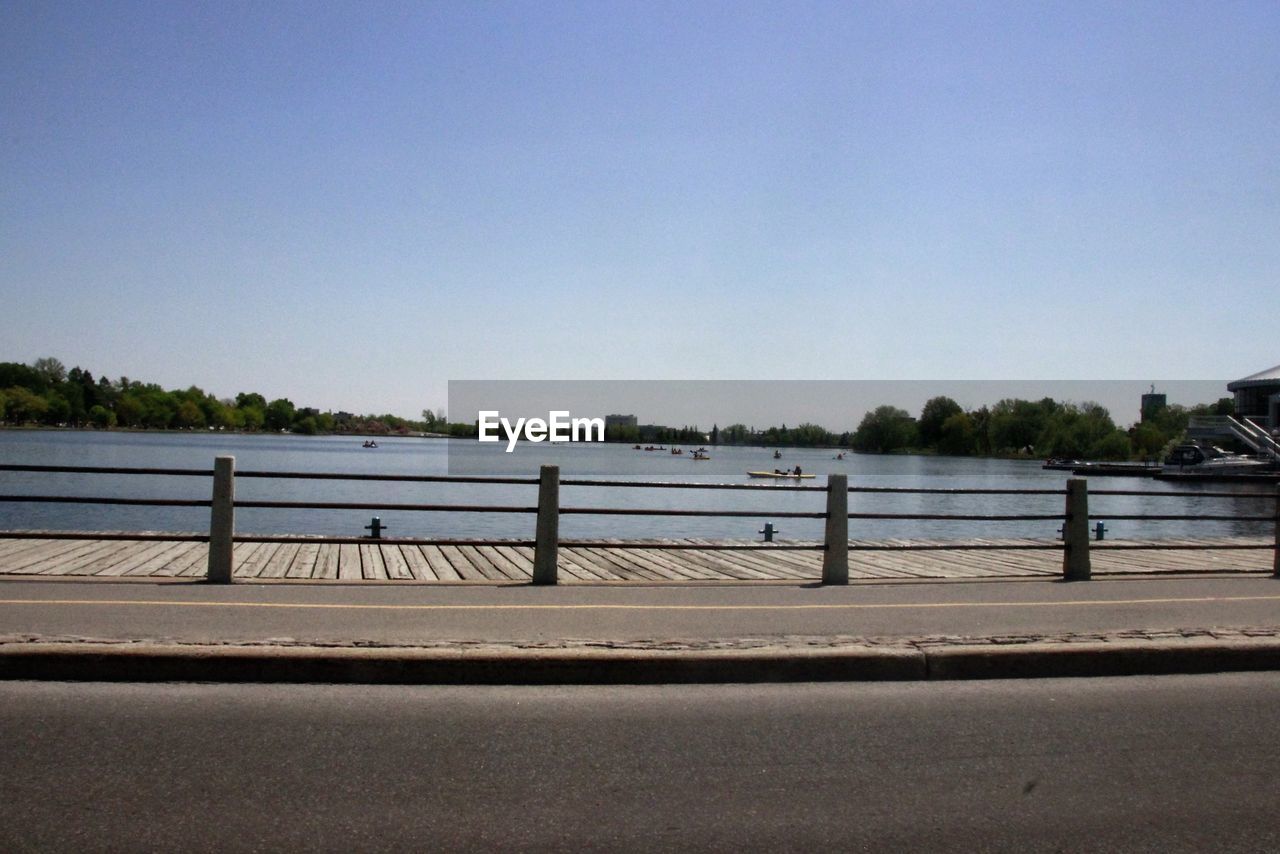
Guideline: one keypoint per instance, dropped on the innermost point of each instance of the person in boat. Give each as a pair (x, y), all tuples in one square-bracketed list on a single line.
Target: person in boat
[(777, 455), (797, 471)]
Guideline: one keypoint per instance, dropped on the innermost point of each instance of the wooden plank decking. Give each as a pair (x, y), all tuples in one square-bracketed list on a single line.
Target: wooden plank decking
[(603, 562)]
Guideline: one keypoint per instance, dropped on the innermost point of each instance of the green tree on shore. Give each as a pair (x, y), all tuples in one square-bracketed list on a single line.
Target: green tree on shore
[(1083, 431), (957, 436), (46, 393), (884, 430), (933, 416), (279, 414), (24, 405), (1016, 425)]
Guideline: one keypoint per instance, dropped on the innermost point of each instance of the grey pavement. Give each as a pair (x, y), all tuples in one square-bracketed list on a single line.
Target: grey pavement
[(1143, 764), (634, 633)]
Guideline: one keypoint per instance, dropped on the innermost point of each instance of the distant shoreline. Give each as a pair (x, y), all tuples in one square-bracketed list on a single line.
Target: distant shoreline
[(165, 431), (925, 452)]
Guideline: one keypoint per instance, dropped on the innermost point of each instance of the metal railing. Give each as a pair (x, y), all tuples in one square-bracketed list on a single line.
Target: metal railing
[(835, 546), (1243, 429)]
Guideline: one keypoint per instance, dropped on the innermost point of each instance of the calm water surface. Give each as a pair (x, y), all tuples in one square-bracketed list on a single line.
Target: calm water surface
[(619, 462)]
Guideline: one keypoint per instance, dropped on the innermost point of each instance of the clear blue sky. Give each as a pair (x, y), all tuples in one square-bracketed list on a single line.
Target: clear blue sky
[(352, 203)]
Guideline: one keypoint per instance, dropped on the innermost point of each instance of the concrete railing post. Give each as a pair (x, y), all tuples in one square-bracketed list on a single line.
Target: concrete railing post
[(835, 556), (222, 520), (1075, 532), (547, 540), (1275, 571)]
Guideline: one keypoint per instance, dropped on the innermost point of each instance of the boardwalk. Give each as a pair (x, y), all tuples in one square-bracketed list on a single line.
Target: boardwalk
[(602, 562)]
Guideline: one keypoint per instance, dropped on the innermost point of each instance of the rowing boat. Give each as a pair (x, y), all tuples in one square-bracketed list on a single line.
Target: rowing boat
[(779, 474)]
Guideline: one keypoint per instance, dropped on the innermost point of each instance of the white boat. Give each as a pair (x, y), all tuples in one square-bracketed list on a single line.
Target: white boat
[(1209, 459), (781, 474)]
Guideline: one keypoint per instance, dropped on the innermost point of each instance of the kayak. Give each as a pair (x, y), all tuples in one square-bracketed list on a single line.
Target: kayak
[(777, 474)]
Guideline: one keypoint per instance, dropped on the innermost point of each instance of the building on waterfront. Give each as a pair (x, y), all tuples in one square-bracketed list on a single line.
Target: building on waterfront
[(620, 421), (1152, 403), (1258, 397), (621, 428)]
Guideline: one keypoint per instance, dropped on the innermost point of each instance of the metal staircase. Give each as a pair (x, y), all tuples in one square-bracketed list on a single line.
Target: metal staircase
[(1243, 429)]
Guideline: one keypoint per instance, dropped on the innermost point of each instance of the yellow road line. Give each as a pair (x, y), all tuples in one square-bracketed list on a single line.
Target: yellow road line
[(851, 606)]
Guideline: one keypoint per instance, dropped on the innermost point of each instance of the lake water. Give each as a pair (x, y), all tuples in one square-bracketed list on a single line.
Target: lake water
[(618, 462)]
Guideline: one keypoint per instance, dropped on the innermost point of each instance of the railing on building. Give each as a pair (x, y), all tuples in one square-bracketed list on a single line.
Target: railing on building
[(1244, 429)]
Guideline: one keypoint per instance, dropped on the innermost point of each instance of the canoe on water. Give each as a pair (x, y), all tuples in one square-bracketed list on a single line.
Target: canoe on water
[(776, 474)]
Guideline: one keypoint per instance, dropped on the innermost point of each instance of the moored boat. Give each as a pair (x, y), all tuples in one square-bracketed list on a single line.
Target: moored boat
[(1210, 460)]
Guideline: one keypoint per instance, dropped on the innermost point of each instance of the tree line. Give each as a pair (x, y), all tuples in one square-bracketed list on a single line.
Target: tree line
[(803, 436), (1012, 427), (46, 393), (1046, 428)]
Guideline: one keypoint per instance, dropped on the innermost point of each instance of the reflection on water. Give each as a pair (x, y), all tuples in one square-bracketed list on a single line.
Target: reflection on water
[(617, 462)]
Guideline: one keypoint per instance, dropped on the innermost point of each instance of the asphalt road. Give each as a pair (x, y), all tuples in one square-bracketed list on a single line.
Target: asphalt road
[(1161, 764), (394, 614)]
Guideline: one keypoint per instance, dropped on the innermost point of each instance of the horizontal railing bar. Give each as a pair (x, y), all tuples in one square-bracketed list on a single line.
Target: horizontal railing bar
[(253, 538), (913, 491), (1140, 494), (142, 536), (87, 499), (200, 472), (107, 470), (964, 547), (658, 484), (373, 505), (283, 505), (192, 472), (293, 475), (748, 547), (376, 541), (743, 514), (853, 544), (1177, 547), (404, 478), (1056, 517), (1106, 517)]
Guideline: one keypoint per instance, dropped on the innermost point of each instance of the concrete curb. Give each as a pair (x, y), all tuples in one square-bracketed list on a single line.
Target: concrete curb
[(408, 666), (1110, 658), (145, 662)]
